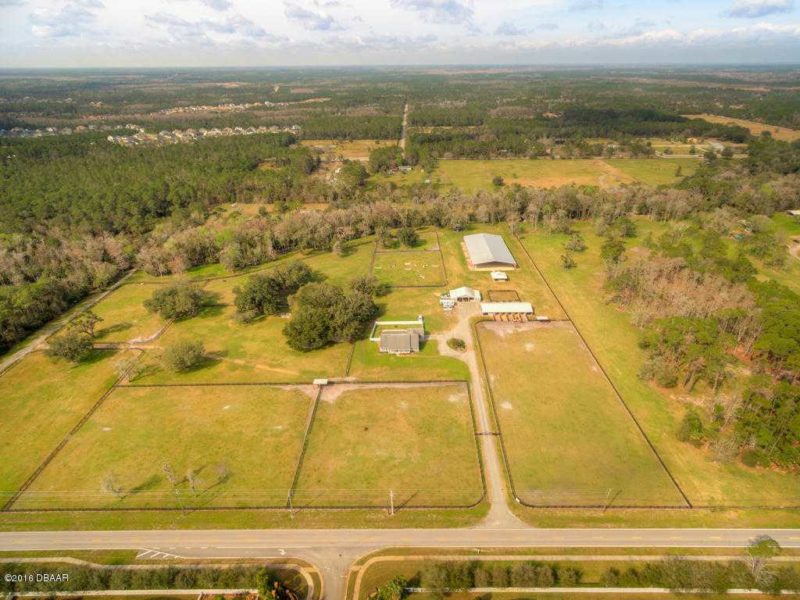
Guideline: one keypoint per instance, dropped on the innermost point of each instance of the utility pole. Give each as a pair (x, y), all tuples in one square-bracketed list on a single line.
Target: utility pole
[(391, 503)]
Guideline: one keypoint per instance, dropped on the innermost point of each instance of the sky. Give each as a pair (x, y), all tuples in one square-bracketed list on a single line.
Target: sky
[(197, 33)]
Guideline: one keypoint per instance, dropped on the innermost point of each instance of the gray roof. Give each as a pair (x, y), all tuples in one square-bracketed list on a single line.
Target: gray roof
[(487, 249), (400, 341)]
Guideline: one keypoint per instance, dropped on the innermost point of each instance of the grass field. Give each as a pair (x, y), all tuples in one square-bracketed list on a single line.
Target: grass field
[(473, 175), (255, 432), (42, 400), (569, 440), (124, 315), (410, 268), (779, 133), (369, 364), (614, 340), (351, 150), (244, 352), (656, 171), (418, 442)]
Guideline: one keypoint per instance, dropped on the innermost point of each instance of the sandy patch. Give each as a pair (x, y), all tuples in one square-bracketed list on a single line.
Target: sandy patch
[(506, 405)]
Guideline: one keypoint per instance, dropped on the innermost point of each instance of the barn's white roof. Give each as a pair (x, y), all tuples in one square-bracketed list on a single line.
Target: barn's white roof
[(488, 248), (465, 292), (507, 308)]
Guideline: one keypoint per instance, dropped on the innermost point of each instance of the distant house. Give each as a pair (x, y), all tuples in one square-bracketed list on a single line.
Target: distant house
[(400, 341), (499, 276), (488, 251)]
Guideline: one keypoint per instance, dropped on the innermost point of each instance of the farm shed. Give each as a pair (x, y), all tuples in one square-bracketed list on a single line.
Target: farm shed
[(794, 212), (512, 311), (400, 341), (487, 250), (465, 294), (499, 276)]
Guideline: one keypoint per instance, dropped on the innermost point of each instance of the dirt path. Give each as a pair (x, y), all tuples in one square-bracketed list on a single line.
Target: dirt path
[(405, 130), (500, 516)]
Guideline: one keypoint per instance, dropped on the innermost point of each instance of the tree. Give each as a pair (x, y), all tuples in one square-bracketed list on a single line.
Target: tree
[(72, 345), (369, 285), (408, 237), (567, 261), (575, 243), (323, 313), (268, 294), (759, 551), (86, 322), (612, 250), (183, 355), (394, 589), (691, 429), (176, 301), (498, 181)]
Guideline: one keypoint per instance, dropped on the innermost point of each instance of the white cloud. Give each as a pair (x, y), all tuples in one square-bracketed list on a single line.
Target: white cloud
[(755, 9), (74, 19), (440, 11), (312, 20)]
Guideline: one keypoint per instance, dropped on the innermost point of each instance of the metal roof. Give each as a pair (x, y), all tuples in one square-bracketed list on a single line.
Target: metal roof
[(507, 308), (488, 248), (465, 292), (400, 341)]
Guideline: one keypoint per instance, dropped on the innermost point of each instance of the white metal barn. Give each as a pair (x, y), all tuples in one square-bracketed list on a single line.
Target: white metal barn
[(488, 251)]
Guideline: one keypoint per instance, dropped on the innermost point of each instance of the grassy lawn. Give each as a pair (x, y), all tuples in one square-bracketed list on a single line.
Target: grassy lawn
[(473, 175), (369, 364), (615, 341), (417, 441), (569, 439), (405, 304), (124, 315), (349, 149), (655, 171), (525, 280), (410, 268), (256, 432), (42, 400), (244, 352)]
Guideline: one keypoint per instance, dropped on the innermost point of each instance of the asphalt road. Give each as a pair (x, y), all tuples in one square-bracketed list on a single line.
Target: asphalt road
[(333, 551)]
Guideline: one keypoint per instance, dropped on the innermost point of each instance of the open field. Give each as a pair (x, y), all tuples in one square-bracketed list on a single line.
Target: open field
[(255, 432), (779, 133), (124, 315), (410, 268), (244, 352), (42, 400), (416, 441), (656, 171), (369, 364), (473, 175), (569, 441), (614, 340), (350, 150)]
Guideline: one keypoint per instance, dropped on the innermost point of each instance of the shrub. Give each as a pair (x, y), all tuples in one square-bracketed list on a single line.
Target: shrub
[(691, 428), (457, 344), (183, 355), (177, 301), (73, 345)]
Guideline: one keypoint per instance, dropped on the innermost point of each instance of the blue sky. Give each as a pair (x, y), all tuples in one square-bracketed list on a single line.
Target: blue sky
[(152, 33)]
